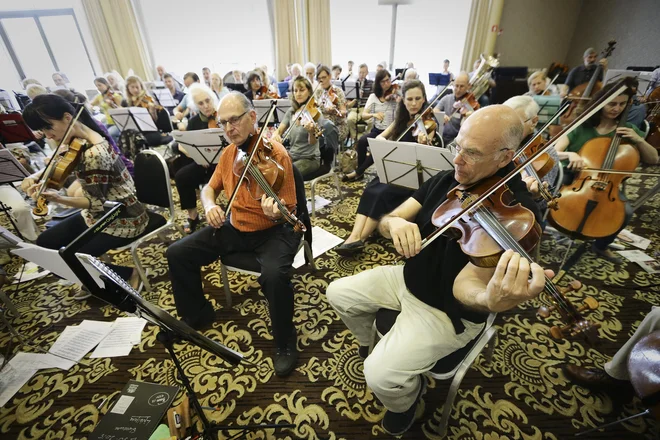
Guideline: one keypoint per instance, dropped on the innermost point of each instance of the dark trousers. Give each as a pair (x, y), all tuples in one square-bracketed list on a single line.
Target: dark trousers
[(188, 179), (70, 228), (364, 160), (274, 249)]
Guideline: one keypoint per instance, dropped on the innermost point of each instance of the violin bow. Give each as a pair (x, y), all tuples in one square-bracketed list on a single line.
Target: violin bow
[(430, 106), (589, 112), (249, 160), (551, 83), (49, 169)]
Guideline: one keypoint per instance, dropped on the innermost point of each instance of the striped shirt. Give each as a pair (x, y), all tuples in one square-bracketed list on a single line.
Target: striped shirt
[(246, 213)]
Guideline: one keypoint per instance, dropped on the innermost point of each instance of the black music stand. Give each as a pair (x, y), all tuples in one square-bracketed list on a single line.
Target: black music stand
[(262, 107), (13, 129), (133, 118), (11, 171), (118, 293), (206, 145), (350, 88)]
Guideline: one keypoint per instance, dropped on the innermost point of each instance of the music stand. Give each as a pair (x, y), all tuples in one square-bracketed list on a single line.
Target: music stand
[(350, 88), (14, 129), (118, 293), (237, 87), (11, 169), (408, 164), (548, 106), (133, 118), (206, 145)]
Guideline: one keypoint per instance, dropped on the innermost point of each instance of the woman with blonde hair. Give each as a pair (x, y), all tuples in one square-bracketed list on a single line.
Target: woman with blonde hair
[(218, 86)]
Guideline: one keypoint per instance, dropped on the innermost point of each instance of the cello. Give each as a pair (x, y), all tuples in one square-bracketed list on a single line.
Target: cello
[(653, 118), (581, 94), (590, 207)]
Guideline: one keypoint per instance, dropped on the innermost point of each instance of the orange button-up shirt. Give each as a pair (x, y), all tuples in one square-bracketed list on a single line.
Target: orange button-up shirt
[(246, 213)]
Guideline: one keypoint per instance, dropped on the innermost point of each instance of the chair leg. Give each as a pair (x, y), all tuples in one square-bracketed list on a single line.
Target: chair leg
[(339, 191), (141, 272), (10, 304), (310, 256), (312, 190), (225, 284)]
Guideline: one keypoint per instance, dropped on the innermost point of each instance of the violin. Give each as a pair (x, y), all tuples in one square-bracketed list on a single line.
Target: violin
[(425, 125), (110, 99), (262, 175), (538, 167), (495, 226), (391, 93), (468, 102), (653, 118), (309, 113), (590, 207), (264, 93), (330, 101), (585, 90)]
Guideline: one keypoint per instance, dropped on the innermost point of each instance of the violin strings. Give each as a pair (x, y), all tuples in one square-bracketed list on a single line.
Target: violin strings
[(261, 180), (511, 243)]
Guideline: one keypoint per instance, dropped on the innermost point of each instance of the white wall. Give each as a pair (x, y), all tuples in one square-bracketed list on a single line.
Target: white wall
[(428, 31), (222, 35)]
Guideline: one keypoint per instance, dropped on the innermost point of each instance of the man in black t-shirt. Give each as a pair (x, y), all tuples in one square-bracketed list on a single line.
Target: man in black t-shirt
[(443, 299), (582, 74)]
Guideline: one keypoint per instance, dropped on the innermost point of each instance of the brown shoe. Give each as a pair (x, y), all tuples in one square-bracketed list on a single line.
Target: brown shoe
[(594, 378)]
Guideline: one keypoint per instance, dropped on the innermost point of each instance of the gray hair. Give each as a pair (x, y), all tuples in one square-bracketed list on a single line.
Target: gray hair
[(512, 135), (200, 88), (34, 90), (588, 52), (410, 74), (307, 66), (525, 103), (299, 67)]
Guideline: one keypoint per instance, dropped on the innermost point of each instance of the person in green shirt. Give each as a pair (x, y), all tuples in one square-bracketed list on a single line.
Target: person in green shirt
[(604, 124)]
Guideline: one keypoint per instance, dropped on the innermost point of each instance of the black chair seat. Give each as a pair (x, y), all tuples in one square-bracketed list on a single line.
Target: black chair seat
[(242, 260), (385, 319), (323, 169)]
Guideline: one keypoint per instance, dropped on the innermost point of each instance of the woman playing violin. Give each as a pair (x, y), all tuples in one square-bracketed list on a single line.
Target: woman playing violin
[(255, 225), (106, 100), (381, 106), (538, 85), (101, 174), (332, 101), (604, 124), (254, 85), (380, 198), (137, 96), (218, 86), (304, 144)]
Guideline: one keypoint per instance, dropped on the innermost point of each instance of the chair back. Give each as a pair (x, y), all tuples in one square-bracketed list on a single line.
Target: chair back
[(152, 180), (283, 88)]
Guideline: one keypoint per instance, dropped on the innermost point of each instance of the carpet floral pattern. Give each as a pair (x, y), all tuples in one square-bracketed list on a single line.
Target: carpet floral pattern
[(521, 393)]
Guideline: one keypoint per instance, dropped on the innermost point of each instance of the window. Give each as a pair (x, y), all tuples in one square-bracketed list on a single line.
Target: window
[(222, 36)]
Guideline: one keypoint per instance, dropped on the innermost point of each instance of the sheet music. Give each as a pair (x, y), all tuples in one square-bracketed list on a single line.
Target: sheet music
[(133, 118), (12, 379), (75, 342), (203, 146), (262, 106), (39, 361), (125, 333), (11, 169), (350, 89), (164, 97), (399, 163)]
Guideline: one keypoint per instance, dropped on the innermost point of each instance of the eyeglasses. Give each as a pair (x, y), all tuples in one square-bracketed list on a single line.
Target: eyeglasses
[(233, 121), (471, 156)]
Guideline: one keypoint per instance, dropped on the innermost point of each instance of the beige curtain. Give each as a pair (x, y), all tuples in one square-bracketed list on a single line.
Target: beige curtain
[(117, 37), (318, 26), (288, 44), (477, 32)]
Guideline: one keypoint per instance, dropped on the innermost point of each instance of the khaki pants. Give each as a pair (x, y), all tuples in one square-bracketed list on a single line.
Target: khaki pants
[(420, 336), (352, 119), (21, 212), (618, 366)]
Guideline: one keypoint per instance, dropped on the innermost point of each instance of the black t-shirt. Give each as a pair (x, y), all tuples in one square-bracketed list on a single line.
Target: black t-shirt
[(196, 123), (430, 274), (581, 74)]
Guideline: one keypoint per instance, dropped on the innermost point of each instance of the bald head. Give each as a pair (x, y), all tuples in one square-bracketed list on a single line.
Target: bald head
[(487, 139), (461, 84)]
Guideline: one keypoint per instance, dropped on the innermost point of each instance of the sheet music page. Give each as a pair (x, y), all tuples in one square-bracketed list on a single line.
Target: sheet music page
[(125, 333), (11, 380), (39, 361), (75, 342), (203, 146)]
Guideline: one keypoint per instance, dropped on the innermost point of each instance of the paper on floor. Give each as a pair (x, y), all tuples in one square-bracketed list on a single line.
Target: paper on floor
[(39, 361), (75, 342), (322, 241), (11, 380), (125, 333)]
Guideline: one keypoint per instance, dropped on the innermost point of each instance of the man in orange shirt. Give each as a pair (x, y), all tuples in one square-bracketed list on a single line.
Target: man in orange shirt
[(252, 226)]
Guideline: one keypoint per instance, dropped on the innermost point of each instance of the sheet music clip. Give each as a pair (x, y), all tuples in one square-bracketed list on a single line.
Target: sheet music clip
[(133, 118), (408, 164)]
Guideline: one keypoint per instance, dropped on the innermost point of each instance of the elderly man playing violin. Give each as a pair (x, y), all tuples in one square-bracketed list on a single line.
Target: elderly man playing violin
[(255, 225), (442, 297), (455, 111)]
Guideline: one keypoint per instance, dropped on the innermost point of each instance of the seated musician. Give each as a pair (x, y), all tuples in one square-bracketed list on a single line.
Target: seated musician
[(102, 176), (310, 73), (271, 87), (380, 198), (254, 86), (614, 377), (443, 298), (116, 81), (583, 73), (137, 96), (218, 87), (106, 100), (455, 111), (253, 226), (528, 111), (288, 72), (364, 87), (304, 145), (182, 111), (336, 72), (604, 124), (446, 72), (653, 84), (381, 106), (538, 83), (332, 111), (173, 87), (206, 74), (296, 71), (190, 176)]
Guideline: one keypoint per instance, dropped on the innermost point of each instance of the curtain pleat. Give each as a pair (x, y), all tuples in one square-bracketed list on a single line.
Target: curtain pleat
[(288, 45), (318, 15), (477, 32), (101, 35)]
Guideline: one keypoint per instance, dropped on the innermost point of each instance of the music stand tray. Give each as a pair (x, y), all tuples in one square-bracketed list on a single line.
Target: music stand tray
[(133, 118), (408, 164), (14, 129)]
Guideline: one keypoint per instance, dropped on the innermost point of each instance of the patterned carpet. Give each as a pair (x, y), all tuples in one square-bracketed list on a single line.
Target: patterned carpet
[(521, 394)]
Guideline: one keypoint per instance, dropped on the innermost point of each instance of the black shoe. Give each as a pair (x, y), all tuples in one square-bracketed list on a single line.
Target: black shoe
[(363, 351), (203, 321), (354, 178), (285, 360), (192, 225), (397, 423), (348, 249)]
